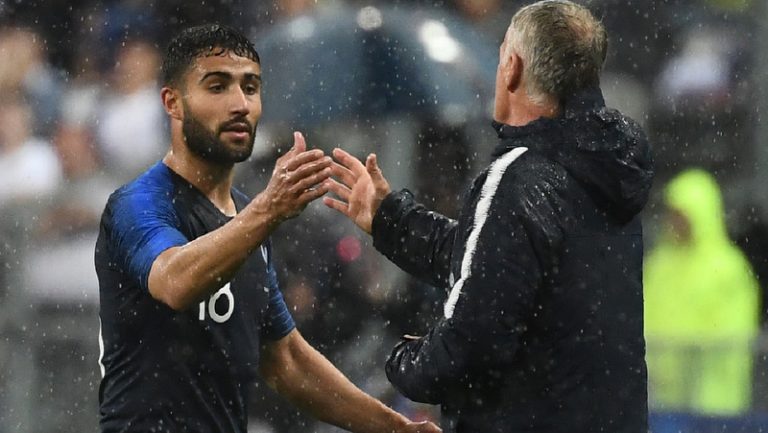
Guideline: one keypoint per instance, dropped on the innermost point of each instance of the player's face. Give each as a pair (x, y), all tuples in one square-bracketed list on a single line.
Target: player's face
[(222, 107)]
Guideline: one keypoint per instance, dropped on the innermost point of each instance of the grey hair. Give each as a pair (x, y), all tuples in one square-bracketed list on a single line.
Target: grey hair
[(562, 45)]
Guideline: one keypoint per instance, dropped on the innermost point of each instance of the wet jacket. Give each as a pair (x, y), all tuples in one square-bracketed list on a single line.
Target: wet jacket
[(543, 325), (702, 306)]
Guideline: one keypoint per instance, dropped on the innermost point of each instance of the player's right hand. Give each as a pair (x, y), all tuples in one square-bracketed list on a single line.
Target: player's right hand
[(299, 177)]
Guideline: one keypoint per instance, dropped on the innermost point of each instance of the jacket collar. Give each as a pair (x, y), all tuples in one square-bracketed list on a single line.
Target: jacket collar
[(584, 101)]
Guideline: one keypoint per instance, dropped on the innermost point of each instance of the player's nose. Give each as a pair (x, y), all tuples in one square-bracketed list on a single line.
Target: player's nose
[(239, 102)]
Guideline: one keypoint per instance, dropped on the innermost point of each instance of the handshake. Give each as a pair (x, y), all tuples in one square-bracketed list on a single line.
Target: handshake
[(301, 176)]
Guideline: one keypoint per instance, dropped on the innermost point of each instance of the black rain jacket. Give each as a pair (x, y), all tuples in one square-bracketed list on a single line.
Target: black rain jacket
[(543, 326)]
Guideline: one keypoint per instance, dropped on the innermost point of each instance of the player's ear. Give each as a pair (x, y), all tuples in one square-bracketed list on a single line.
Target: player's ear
[(172, 102)]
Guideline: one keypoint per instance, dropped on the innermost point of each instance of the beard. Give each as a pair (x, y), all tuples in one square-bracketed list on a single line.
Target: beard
[(208, 145)]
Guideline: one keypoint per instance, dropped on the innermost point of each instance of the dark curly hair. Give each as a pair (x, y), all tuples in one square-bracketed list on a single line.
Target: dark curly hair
[(203, 40)]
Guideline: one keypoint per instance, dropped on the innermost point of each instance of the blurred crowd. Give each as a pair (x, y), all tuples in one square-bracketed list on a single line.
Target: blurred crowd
[(80, 114)]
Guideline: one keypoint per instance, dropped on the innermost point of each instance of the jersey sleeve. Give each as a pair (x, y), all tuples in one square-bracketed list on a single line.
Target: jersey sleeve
[(143, 225), (278, 321)]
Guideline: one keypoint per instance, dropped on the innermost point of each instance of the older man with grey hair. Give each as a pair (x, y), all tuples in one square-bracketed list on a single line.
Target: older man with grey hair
[(542, 328)]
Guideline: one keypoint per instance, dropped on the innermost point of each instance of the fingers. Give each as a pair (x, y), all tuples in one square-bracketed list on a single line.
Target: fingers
[(310, 168), (422, 427), (341, 191), (313, 193), (311, 181), (343, 174), (337, 205), (349, 162), (428, 427), (295, 161), (296, 155)]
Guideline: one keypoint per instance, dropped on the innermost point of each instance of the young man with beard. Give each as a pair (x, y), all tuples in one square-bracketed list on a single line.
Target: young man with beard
[(543, 322), (190, 304)]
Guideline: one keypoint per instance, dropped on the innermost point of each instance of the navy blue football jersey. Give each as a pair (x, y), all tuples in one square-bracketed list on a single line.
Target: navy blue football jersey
[(172, 371)]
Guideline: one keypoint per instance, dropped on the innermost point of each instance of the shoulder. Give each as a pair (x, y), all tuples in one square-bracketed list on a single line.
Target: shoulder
[(529, 190), (151, 191), (524, 172)]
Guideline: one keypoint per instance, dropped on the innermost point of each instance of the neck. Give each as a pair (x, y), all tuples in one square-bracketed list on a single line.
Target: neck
[(213, 180), (522, 110)]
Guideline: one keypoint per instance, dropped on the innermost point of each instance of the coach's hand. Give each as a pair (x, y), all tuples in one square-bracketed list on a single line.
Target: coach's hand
[(299, 177), (360, 188), (420, 427)]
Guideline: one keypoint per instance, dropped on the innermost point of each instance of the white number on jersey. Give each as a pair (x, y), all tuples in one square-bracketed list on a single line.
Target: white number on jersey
[(213, 300)]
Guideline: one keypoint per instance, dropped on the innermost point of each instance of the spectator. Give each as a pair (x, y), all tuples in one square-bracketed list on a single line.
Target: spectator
[(701, 306), (29, 76), (28, 165), (131, 131)]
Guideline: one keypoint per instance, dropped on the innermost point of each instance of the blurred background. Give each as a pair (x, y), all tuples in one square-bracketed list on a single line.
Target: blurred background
[(80, 114)]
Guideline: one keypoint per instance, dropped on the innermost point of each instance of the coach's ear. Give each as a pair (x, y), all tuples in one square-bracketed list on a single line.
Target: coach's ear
[(514, 74), (172, 102)]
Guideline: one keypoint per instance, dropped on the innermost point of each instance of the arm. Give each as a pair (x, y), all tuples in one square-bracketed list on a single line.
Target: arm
[(306, 378), (417, 240), (414, 238), (489, 305), (182, 275)]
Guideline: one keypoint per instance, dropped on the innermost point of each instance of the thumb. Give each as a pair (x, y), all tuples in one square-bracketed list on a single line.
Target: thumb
[(429, 427), (377, 177), (372, 166), (299, 144)]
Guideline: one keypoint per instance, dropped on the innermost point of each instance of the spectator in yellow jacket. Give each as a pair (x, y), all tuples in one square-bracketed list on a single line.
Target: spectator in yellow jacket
[(701, 306)]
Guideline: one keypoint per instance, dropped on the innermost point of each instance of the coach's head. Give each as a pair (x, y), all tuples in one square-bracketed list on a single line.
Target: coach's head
[(552, 50), (212, 93)]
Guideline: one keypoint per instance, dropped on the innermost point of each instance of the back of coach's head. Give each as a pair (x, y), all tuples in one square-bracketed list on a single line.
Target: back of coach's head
[(203, 40), (563, 48)]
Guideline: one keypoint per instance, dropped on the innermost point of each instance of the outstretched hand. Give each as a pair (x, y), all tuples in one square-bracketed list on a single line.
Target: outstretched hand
[(299, 177), (360, 188)]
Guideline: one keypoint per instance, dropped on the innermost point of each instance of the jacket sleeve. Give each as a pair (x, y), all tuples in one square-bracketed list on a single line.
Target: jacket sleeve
[(490, 303), (417, 240)]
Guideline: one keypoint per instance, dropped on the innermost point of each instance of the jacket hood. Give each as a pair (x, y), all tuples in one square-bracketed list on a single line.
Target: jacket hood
[(696, 194), (607, 152)]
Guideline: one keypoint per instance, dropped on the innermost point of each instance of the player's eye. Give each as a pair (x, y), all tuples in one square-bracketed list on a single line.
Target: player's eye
[(216, 87), (251, 89)]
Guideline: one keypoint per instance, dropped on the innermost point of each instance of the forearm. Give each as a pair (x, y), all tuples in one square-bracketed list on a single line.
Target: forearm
[(311, 382), (428, 369), (183, 275), (417, 240), (459, 353)]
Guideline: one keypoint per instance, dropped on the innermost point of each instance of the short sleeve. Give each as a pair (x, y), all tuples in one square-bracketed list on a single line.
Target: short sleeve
[(143, 225), (278, 321)]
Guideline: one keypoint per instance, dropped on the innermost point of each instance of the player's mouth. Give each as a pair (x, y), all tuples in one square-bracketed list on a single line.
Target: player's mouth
[(237, 130)]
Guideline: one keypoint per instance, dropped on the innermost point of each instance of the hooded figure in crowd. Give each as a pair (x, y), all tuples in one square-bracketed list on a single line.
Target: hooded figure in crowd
[(701, 305)]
